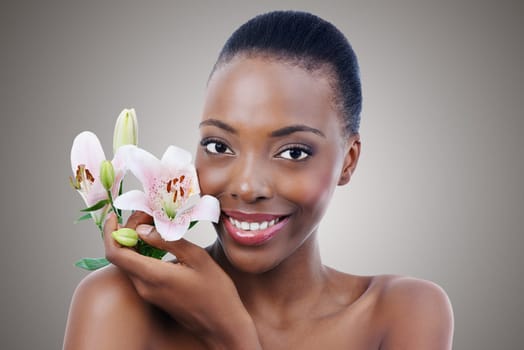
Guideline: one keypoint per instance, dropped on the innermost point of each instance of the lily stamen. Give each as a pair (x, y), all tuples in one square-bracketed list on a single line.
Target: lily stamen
[(83, 179), (89, 176)]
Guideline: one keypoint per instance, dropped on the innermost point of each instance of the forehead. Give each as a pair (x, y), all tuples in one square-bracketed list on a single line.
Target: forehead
[(257, 90)]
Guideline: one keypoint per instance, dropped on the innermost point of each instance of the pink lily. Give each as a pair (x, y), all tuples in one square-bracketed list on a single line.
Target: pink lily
[(170, 191), (86, 157)]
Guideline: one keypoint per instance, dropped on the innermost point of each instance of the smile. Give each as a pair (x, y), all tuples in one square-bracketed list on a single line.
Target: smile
[(253, 229), (253, 226)]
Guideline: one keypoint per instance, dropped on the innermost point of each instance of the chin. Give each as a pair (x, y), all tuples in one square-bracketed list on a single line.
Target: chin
[(260, 255), (248, 264), (249, 259)]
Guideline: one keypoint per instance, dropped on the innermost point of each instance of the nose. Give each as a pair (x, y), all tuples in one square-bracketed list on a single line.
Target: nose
[(250, 181)]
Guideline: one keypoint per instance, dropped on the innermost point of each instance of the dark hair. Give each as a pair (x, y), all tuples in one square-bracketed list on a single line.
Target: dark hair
[(308, 41)]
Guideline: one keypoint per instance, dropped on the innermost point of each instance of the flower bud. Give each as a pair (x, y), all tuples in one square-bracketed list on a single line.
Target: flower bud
[(126, 129), (126, 237), (107, 174)]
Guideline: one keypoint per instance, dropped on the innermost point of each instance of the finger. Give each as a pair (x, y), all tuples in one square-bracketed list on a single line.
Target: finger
[(112, 247), (137, 218), (185, 251), (115, 252), (110, 225), (127, 259)]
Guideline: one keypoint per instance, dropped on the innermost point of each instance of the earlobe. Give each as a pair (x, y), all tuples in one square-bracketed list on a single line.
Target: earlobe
[(350, 159)]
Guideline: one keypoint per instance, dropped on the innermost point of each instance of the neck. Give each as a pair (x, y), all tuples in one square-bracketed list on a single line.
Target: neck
[(285, 292)]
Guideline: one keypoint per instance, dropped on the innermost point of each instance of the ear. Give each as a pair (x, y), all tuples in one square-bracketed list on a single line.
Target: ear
[(350, 159)]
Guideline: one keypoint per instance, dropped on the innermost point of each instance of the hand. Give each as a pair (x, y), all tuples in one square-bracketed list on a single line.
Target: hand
[(195, 290)]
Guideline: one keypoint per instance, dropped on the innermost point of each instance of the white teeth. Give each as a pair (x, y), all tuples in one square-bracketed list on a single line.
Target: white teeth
[(252, 226)]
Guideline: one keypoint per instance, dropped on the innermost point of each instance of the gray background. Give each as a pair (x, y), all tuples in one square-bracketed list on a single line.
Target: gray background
[(438, 192)]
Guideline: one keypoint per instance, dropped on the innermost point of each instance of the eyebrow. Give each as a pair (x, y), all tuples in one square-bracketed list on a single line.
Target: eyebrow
[(219, 124), (287, 130), (295, 128)]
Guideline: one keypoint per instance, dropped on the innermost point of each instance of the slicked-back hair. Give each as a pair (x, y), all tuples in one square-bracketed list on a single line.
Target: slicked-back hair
[(310, 42)]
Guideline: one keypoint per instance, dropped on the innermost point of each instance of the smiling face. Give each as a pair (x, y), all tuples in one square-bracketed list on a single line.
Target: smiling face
[(272, 151)]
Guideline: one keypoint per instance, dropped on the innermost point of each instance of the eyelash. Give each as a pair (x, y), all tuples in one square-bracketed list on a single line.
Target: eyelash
[(209, 141), (301, 148), (305, 150)]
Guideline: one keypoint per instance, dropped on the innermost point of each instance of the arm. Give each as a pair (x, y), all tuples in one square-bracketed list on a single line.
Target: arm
[(106, 313), (418, 316)]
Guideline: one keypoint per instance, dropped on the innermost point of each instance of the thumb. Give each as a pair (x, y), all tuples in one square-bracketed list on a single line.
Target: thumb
[(137, 218), (186, 252)]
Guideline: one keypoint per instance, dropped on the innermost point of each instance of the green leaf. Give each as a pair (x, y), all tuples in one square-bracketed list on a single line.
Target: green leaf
[(82, 218), (193, 223), (148, 250), (121, 188), (91, 264), (97, 206)]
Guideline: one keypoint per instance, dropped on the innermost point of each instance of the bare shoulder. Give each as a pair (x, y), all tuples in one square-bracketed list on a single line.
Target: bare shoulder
[(106, 285), (417, 314), (106, 313), (410, 292)]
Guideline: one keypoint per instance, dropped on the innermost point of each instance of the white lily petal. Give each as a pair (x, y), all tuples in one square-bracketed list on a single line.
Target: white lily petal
[(119, 163), (96, 193), (207, 208), (87, 150), (176, 158), (145, 166), (133, 200), (120, 171), (195, 185), (191, 186), (170, 230)]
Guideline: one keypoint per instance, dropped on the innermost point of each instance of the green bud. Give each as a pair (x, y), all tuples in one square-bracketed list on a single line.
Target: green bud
[(126, 129), (126, 237), (107, 174)]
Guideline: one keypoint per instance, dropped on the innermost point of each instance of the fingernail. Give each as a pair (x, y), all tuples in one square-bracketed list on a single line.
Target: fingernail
[(144, 229)]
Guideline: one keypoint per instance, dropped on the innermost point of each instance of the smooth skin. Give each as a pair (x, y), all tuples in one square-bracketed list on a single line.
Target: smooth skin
[(271, 143)]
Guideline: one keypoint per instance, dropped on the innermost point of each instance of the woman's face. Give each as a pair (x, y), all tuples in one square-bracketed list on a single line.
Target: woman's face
[(272, 151)]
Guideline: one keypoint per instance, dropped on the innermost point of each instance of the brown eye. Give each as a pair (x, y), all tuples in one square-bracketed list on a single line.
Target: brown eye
[(295, 153), (216, 147)]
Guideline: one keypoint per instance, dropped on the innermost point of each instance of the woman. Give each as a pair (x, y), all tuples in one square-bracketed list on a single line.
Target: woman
[(279, 132)]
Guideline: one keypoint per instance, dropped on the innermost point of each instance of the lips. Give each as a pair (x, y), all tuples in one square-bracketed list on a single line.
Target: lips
[(253, 229)]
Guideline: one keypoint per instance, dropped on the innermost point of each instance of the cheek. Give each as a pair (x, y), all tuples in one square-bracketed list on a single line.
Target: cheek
[(211, 177), (310, 190)]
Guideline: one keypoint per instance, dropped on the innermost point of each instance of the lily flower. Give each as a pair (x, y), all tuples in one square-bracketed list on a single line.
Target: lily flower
[(171, 191), (87, 156)]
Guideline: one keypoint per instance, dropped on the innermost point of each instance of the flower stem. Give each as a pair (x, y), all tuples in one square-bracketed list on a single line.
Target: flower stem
[(115, 210)]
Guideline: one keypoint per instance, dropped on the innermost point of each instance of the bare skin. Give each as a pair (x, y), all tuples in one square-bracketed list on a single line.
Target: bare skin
[(272, 147)]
